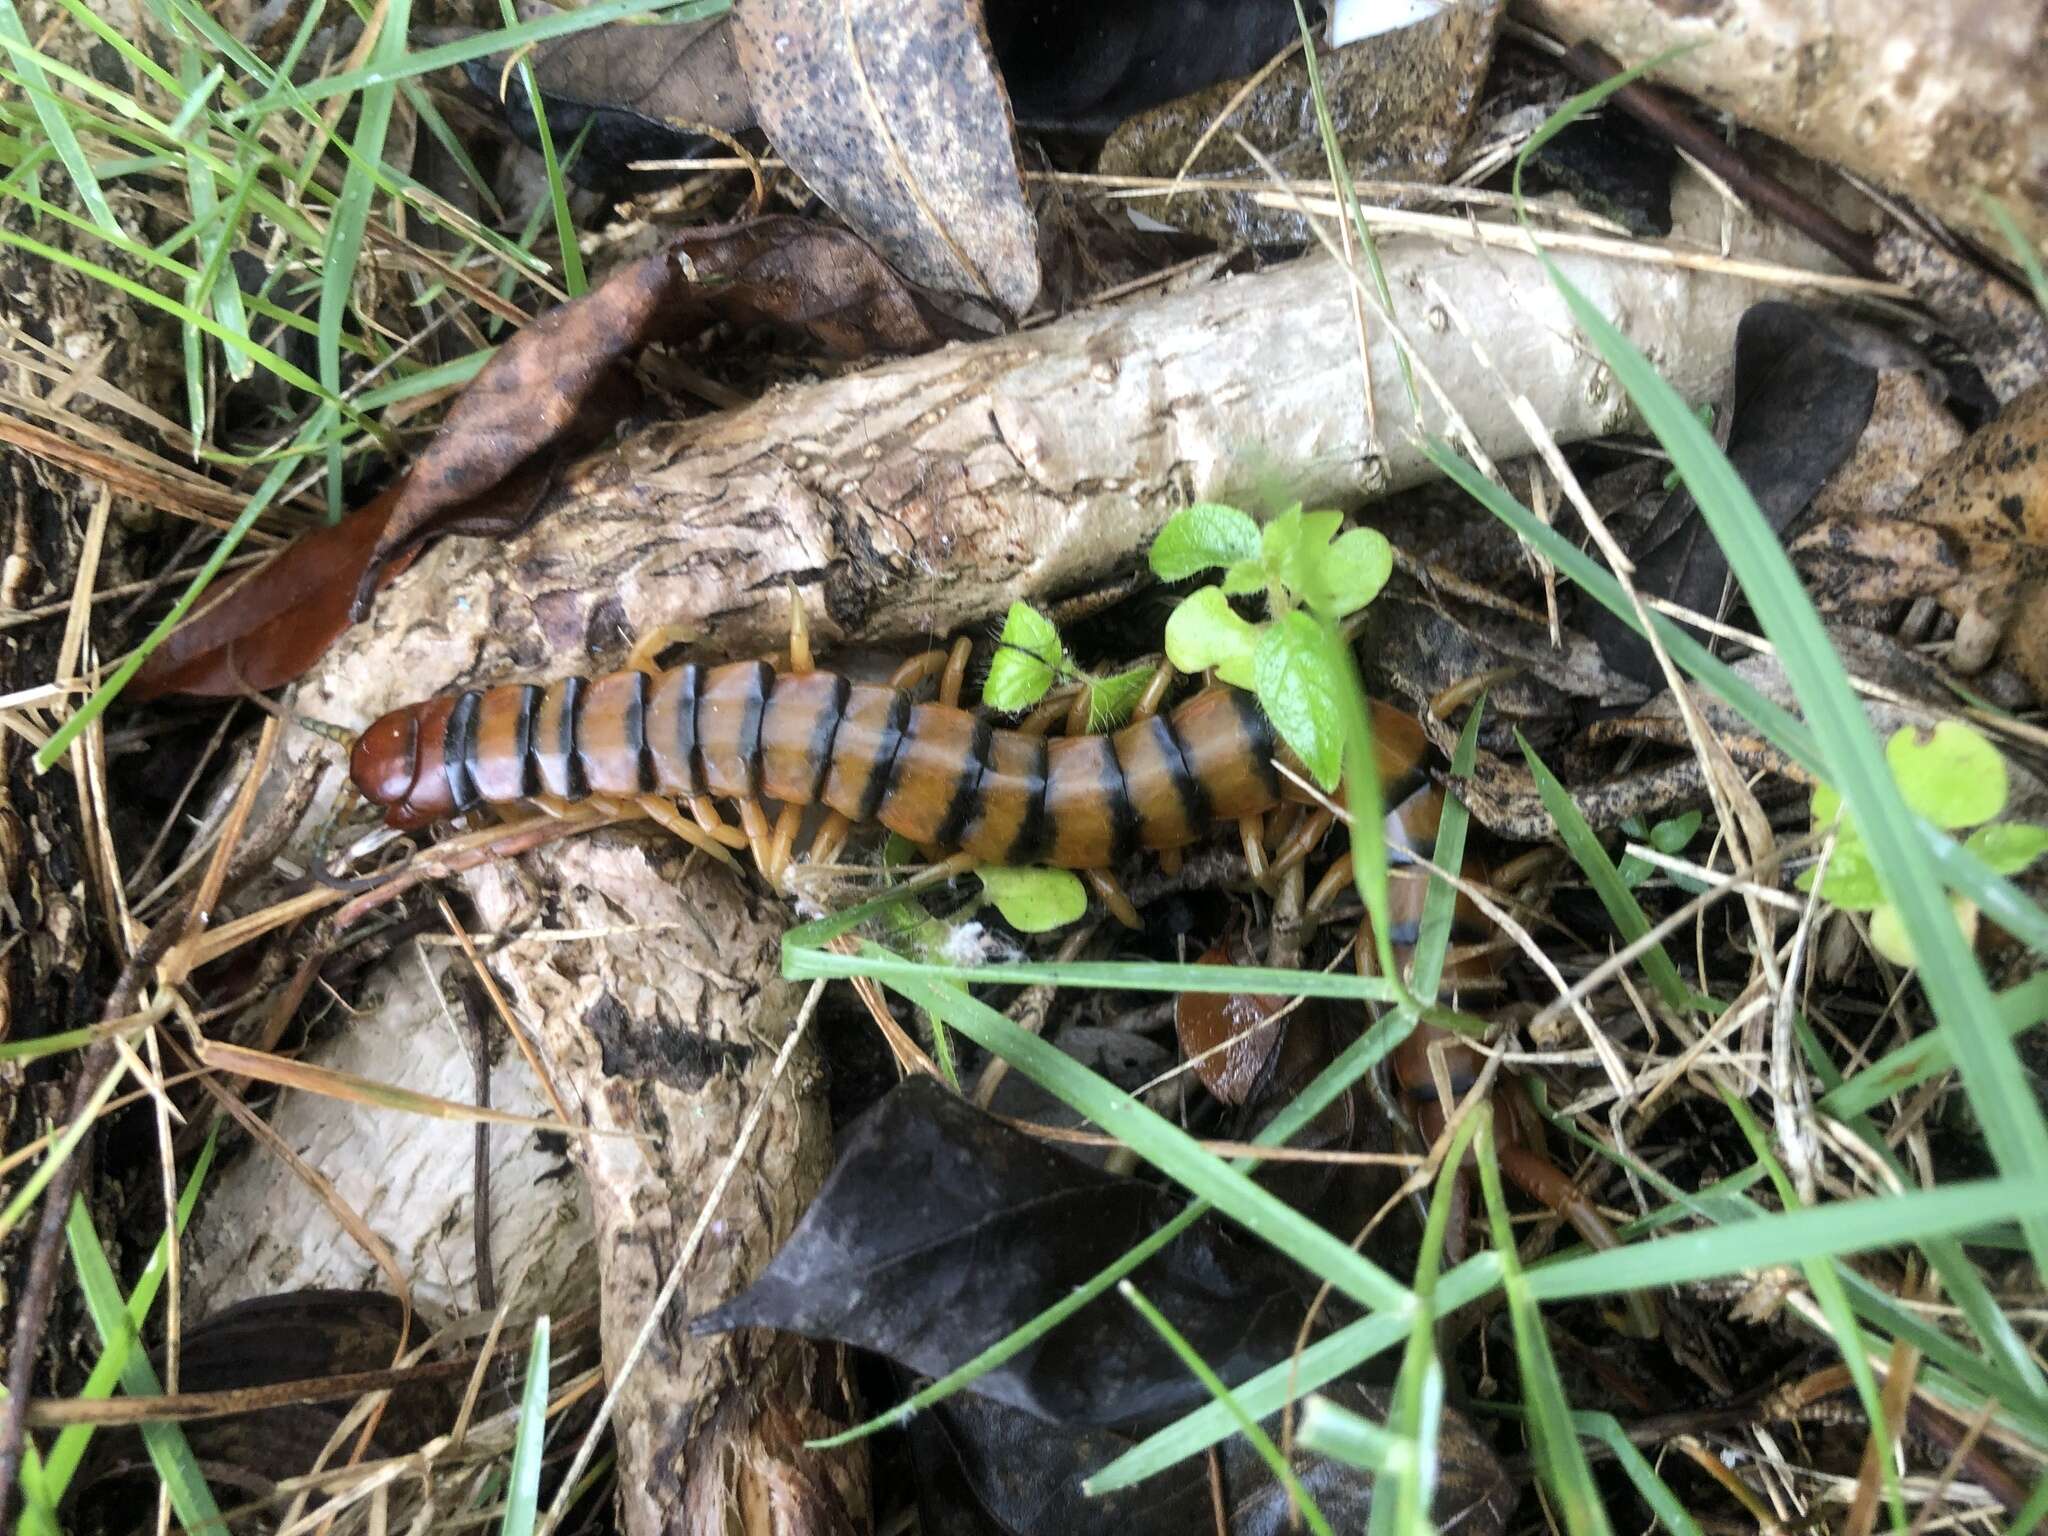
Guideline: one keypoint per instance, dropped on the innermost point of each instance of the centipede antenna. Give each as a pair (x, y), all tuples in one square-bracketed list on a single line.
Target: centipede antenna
[(327, 730)]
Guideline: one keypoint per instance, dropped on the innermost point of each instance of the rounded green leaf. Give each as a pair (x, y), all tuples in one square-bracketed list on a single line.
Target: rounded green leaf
[(1888, 935), (1851, 882), (1205, 631), (2008, 847), (1955, 778), (1296, 546), (1300, 695), (1202, 536), (1349, 574), (1673, 834), (1034, 900), (1243, 578), (1827, 805), (1028, 657)]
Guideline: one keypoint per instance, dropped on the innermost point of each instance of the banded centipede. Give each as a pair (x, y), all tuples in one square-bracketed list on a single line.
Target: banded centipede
[(941, 775)]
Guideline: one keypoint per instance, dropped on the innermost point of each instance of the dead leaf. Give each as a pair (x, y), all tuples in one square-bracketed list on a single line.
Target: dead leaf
[(645, 92), (896, 117)]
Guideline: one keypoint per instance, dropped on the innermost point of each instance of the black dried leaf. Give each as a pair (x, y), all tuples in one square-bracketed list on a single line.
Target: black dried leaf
[(1079, 66), (642, 91), (983, 1467), (941, 1230), (1803, 393)]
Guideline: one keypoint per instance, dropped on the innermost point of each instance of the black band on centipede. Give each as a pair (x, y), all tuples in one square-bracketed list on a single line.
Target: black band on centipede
[(458, 751), (572, 738), (1194, 799), (634, 728), (889, 744), (1123, 810), (761, 677), (689, 679), (1034, 830), (967, 787), (529, 767), (825, 731), (1260, 738)]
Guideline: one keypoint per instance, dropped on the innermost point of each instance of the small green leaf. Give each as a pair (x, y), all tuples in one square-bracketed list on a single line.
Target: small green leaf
[(1633, 871), (1827, 805), (1300, 696), (1205, 631), (1199, 537), (1295, 546), (1111, 699), (1035, 900), (1852, 882), (1028, 657), (1672, 835), (1955, 778), (1888, 935), (1244, 578), (2008, 846), (1349, 574)]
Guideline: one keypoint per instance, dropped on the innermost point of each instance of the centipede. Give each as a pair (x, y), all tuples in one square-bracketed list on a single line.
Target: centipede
[(681, 743)]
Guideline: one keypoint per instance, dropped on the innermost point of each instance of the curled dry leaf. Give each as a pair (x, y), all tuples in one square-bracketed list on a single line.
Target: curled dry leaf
[(1974, 536), (895, 115), (552, 391), (642, 92), (1228, 1037)]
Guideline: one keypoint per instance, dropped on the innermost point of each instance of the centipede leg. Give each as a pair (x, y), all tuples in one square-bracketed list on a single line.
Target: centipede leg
[(923, 666), (759, 834), (1313, 829), (831, 840), (1113, 897), (1333, 884), (1155, 690), (800, 657), (1047, 712), (954, 678), (705, 810), (782, 847), (1252, 830), (664, 814), (650, 645)]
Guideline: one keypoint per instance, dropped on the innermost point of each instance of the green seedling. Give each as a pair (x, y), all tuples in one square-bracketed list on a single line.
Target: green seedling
[(1956, 779), (1309, 570), (1669, 836), (1031, 658)]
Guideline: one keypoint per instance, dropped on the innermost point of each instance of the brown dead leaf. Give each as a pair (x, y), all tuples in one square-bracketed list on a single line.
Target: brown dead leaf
[(896, 116)]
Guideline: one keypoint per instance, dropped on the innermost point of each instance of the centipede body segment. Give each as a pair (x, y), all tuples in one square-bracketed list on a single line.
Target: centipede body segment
[(938, 774)]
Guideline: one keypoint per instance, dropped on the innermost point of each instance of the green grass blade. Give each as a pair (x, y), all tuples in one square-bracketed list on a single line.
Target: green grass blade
[(558, 194), (1269, 1453), (522, 1493), (1583, 844), (351, 215), (2020, 1008), (2024, 250), (1828, 1291), (1997, 897), (169, 1451), (1559, 1457), (1332, 1430), (1954, 983), (1656, 1493), (68, 1450), (1175, 1153), (24, 1198), (427, 60), (50, 110)]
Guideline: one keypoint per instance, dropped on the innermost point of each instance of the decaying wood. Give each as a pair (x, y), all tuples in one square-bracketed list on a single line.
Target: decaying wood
[(660, 1034), (1939, 102)]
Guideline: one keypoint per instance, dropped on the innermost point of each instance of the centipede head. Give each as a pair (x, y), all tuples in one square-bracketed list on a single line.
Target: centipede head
[(386, 767)]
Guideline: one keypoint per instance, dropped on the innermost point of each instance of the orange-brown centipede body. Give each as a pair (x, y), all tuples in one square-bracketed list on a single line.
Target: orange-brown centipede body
[(938, 774)]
